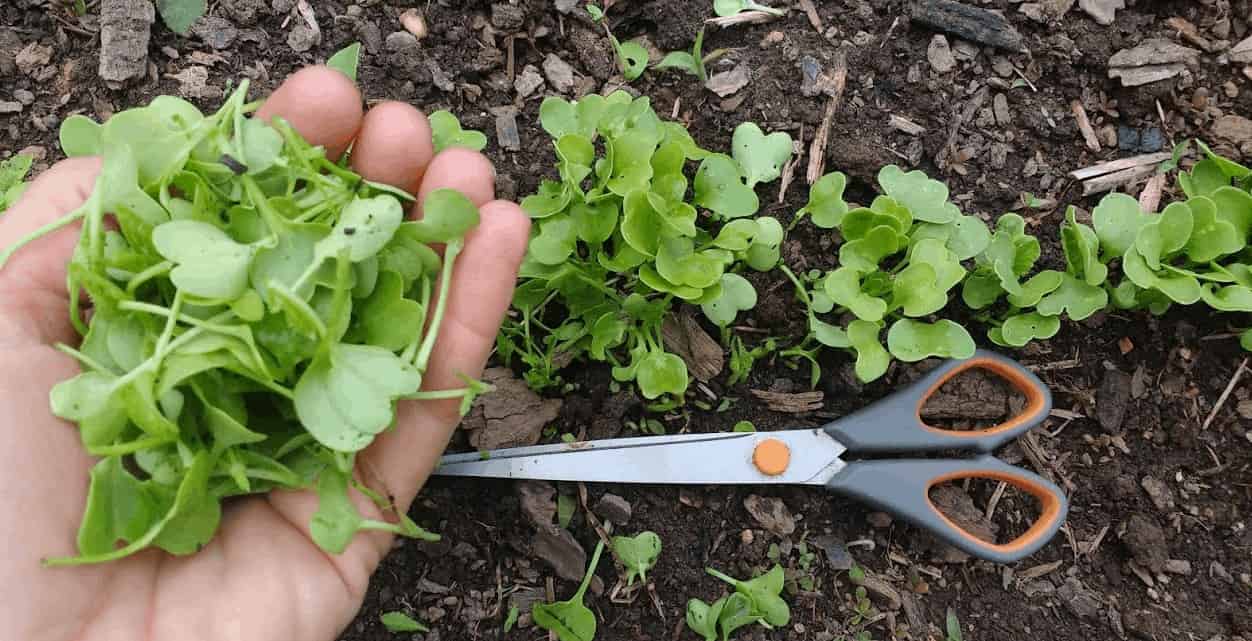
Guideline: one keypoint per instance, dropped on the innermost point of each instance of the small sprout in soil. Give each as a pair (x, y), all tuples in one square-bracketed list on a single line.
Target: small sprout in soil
[(764, 593), (692, 63), (571, 620), (346, 60), (727, 8), (637, 553), (632, 58), (511, 619), (744, 426), (953, 626), (13, 179), (401, 622)]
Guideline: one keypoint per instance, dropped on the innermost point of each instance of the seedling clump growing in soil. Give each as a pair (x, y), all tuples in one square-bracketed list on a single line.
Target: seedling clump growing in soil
[(618, 241), (638, 553), (757, 600), (257, 312), (571, 620)]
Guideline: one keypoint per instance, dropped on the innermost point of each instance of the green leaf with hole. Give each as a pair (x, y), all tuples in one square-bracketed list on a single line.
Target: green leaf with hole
[(761, 157)]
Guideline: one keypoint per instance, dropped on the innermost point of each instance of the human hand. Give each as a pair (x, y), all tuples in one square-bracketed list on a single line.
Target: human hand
[(261, 577)]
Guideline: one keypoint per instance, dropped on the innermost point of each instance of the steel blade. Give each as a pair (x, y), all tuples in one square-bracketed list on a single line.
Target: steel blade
[(701, 459)]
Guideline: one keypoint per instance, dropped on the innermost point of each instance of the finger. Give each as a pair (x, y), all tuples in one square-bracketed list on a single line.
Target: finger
[(322, 104), (482, 288), (32, 283), (466, 171), (394, 146)]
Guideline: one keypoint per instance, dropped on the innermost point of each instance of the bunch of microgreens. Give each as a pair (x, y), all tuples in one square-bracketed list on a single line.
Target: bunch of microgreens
[(620, 239), (757, 600), (256, 312)]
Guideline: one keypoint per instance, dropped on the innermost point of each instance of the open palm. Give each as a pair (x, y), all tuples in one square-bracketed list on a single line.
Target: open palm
[(261, 577)]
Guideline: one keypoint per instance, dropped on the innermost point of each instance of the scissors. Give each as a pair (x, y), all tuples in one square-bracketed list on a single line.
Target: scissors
[(824, 456)]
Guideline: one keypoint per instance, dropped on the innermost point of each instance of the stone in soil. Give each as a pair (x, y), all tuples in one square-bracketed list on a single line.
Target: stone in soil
[(558, 548), (215, 31), (125, 28), (1079, 599), (1233, 128), (245, 12), (303, 38), (837, 555), (538, 502), (614, 508), (1112, 400), (1102, 11), (507, 135), (1162, 497), (507, 17), (10, 107), (939, 53), (528, 81), (771, 513), (971, 23), (560, 74), (1145, 540)]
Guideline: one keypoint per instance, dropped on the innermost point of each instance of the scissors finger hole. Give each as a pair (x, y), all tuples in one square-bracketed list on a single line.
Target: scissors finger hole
[(982, 396), (1001, 512)]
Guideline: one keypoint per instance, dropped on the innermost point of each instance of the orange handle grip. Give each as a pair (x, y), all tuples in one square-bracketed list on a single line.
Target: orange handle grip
[(895, 424), (902, 488)]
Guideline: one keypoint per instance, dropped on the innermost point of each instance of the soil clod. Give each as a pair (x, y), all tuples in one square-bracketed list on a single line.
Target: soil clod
[(1112, 400), (511, 415), (614, 508), (1145, 540), (125, 27), (561, 551), (771, 513)]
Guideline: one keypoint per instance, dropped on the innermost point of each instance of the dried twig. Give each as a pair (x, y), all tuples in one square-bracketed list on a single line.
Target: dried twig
[(1084, 125), (1150, 197), (747, 17), (890, 30), (1025, 79), (904, 124), (995, 499), (817, 152), (1117, 165), (789, 171), (1109, 182), (1221, 400), (1055, 365), (959, 118), (811, 11)]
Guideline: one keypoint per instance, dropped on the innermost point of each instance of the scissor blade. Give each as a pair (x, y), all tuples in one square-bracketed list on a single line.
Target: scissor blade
[(704, 459)]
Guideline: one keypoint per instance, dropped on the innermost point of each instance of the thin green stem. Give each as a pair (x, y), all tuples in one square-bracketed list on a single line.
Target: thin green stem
[(410, 352), (439, 395), (147, 275), (171, 322), (81, 357), (44, 230), (445, 285), (130, 447), (591, 572)]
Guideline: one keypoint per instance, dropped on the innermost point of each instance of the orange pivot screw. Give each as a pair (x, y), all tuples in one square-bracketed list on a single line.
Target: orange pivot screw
[(771, 457)]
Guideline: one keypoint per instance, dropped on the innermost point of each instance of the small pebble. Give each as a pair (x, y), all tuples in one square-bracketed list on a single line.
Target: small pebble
[(1232, 90), (747, 537)]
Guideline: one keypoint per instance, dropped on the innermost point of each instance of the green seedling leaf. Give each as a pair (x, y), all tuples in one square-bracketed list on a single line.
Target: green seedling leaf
[(638, 553), (12, 176), (633, 58), (595, 12), (661, 373), (764, 593), (1234, 205), (209, 263), (680, 60), (872, 358), (80, 136), (761, 157), (926, 199), (827, 334), (702, 618), (447, 215), (843, 286), (743, 426), (1180, 288), (1082, 250), (401, 622), (867, 252), (737, 235), (641, 224), (555, 241), (764, 253), (447, 133), (552, 198), (1019, 330), (1204, 178), (1164, 235), (738, 610), (632, 162), (912, 341), (1228, 167), (737, 295), (1039, 285), (1212, 236), (1231, 298), (561, 117), (981, 289), (346, 60), (719, 187), (571, 620), (1117, 220), (678, 263), (916, 291), (179, 15), (826, 205), (347, 396), (727, 8)]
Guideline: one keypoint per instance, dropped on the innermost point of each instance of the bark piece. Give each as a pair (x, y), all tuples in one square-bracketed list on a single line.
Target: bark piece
[(684, 337), (560, 550), (771, 513), (125, 28), (511, 415), (538, 500), (791, 403), (970, 23), (1112, 400)]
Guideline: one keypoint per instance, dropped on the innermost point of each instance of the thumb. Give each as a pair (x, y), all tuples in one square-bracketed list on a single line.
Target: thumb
[(33, 297)]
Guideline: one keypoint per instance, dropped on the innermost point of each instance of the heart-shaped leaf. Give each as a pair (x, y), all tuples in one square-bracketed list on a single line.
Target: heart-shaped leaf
[(826, 205), (1074, 297), (575, 155), (719, 188), (737, 295), (764, 253), (948, 269), (1039, 285), (1211, 236), (447, 215), (1117, 220), (560, 117), (661, 373), (981, 289), (1164, 235), (641, 224), (737, 235), (596, 222), (912, 341), (447, 132), (1082, 250), (678, 263), (1019, 330), (872, 358), (632, 162), (555, 241), (702, 617), (916, 291), (760, 156), (638, 553), (347, 396), (844, 287), (865, 253), (926, 199), (210, 264), (1204, 178)]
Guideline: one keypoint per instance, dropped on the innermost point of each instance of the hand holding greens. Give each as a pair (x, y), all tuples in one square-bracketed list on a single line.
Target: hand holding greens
[(257, 312)]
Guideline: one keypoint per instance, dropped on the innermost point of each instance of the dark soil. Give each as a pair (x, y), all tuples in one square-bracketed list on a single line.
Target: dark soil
[(1129, 565)]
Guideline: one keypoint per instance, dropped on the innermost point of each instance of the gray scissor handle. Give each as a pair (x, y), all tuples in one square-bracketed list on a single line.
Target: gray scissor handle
[(895, 424), (901, 487)]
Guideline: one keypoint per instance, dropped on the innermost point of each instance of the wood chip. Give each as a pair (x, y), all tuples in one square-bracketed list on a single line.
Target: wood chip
[(811, 12), (817, 152), (684, 337), (1084, 125), (904, 124), (1149, 200), (970, 23), (746, 17), (791, 403), (1119, 164), (1039, 570)]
